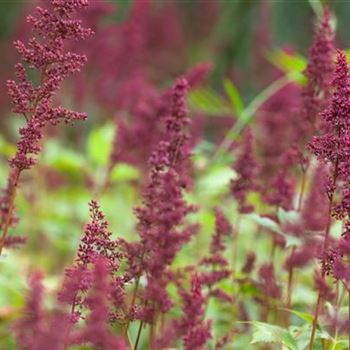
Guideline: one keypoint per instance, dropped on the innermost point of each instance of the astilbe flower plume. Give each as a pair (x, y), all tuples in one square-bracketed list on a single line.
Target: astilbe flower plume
[(55, 64), (314, 211), (319, 71), (161, 223), (279, 123), (197, 330), (280, 191), (333, 145), (31, 326), (96, 331), (332, 148), (46, 53), (141, 109), (268, 282), (95, 244), (216, 265), (246, 168)]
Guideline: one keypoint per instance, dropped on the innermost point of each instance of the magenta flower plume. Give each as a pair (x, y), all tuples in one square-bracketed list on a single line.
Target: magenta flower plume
[(216, 265), (247, 169), (249, 263), (97, 241), (37, 328), (55, 64), (222, 229), (96, 331), (197, 331), (198, 73), (268, 282), (319, 70), (314, 213), (333, 146), (161, 218), (31, 326), (46, 53), (15, 241), (95, 244), (7, 213), (281, 191)]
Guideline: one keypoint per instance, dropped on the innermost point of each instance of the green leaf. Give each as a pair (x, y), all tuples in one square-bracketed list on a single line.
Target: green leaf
[(292, 241), (7, 149), (235, 97), (205, 100), (99, 144), (272, 225), (62, 159), (124, 172), (287, 62), (303, 315), (215, 181), (266, 222), (288, 217), (267, 333)]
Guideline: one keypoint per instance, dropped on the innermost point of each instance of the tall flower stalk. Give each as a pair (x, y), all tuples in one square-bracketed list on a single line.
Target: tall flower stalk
[(331, 148), (45, 53), (161, 218)]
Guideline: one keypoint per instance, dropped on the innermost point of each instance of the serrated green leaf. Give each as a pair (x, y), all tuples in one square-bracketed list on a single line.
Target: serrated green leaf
[(303, 315), (234, 96), (267, 333)]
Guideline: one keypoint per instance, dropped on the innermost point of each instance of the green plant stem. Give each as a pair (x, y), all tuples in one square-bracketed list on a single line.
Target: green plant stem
[(314, 322), (138, 335), (248, 113), (348, 317), (325, 244), (290, 281)]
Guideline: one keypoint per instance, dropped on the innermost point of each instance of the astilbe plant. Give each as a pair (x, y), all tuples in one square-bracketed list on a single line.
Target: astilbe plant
[(161, 219), (90, 300), (319, 72), (45, 53), (331, 148), (117, 288)]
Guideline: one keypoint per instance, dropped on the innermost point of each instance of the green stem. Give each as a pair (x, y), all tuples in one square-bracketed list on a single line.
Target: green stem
[(138, 335), (349, 317)]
